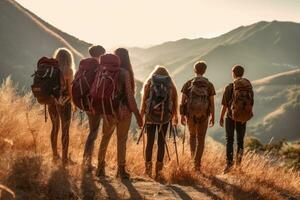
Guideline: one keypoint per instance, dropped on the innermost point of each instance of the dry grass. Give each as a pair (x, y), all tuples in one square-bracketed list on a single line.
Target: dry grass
[(25, 162)]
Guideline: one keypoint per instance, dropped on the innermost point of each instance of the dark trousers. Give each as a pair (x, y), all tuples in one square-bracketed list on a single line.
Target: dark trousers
[(240, 129), (161, 139), (60, 114), (94, 122)]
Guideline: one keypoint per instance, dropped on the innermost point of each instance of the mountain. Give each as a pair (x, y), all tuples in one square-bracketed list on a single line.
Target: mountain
[(276, 108), (25, 37), (264, 48)]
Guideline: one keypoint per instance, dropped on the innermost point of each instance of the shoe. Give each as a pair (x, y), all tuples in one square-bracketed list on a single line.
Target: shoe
[(158, 169), (148, 168), (197, 168), (122, 172), (100, 172), (227, 169), (55, 159)]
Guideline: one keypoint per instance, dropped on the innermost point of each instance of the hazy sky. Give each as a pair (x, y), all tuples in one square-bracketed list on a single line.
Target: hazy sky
[(115, 23)]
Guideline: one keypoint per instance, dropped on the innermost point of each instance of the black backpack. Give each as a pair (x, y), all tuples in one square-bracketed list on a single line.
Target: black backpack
[(46, 87), (159, 104)]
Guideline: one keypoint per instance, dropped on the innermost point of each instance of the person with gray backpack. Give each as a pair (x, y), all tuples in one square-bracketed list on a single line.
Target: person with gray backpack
[(159, 110), (237, 102), (197, 105)]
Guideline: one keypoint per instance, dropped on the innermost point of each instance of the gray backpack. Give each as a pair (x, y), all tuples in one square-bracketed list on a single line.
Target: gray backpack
[(159, 105), (198, 98)]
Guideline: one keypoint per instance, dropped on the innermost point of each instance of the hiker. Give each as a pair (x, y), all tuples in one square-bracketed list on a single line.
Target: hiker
[(60, 112), (118, 68), (89, 67), (159, 109), (237, 103), (197, 104)]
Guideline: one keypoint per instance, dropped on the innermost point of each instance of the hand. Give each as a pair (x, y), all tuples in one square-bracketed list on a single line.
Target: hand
[(211, 122), (74, 108), (139, 120), (221, 121), (175, 121), (183, 120)]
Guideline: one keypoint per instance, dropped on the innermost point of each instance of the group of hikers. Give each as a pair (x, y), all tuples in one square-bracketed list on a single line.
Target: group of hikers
[(104, 88)]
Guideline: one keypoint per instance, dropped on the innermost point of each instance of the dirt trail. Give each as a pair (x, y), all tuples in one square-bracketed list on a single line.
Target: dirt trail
[(143, 188)]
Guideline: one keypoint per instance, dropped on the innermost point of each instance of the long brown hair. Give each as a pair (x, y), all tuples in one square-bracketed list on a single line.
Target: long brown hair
[(161, 70), (158, 70), (126, 64), (66, 61)]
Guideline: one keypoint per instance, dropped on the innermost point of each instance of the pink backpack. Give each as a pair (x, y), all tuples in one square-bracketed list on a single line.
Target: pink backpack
[(105, 88), (82, 83)]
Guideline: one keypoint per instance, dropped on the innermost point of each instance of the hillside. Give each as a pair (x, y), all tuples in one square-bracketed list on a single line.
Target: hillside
[(276, 109), (264, 48), (25, 37), (26, 167)]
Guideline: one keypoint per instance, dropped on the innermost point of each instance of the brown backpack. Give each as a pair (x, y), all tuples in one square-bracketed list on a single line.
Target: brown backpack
[(242, 102), (198, 98)]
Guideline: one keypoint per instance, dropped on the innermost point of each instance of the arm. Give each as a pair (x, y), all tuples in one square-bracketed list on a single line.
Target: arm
[(212, 110), (182, 105), (223, 111), (131, 100), (145, 96), (175, 106)]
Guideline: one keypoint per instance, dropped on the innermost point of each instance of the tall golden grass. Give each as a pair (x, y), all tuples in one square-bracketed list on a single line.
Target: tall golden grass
[(26, 168)]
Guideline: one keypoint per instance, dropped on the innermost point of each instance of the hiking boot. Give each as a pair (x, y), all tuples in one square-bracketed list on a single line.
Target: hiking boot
[(197, 168), (121, 173), (227, 168), (158, 168), (55, 159), (100, 172), (148, 168)]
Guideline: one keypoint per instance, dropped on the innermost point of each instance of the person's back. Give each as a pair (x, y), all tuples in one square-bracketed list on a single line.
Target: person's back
[(94, 119), (60, 112), (120, 119), (237, 103), (197, 105), (159, 108)]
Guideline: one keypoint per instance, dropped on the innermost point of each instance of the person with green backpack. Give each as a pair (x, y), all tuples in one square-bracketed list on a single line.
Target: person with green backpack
[(159, 109), (237, 102), (197, 105)]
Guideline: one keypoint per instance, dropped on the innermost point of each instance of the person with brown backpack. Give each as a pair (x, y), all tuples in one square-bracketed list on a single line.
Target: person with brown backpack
[(237, 102), (52, 87), (197, 105), (82, 83), (113, 97), (159, 108)]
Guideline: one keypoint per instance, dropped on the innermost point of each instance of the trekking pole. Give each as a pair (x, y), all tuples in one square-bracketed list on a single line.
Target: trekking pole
[(183, 139), (175, 145), (167, 149), (141, 134)]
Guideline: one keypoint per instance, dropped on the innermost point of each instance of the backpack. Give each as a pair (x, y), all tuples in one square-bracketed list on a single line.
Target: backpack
[(198, 98), (46, 87), (159, 104), (82, 83), (242, 101), (105, 88)]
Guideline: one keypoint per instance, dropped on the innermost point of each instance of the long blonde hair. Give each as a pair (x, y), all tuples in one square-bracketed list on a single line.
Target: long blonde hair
[(66, 61), (158, 70)]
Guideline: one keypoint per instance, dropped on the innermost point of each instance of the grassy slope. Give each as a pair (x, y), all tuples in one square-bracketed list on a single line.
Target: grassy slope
[(25, 166)]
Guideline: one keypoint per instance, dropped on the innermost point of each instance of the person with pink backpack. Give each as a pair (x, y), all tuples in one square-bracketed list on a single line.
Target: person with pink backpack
[(113, 96), (81, 87)]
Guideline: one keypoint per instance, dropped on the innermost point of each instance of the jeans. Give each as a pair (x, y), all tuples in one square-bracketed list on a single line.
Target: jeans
[(197, 129), (94, 122), (109, 127), (60, 114), (161, 139), (230, 127)]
